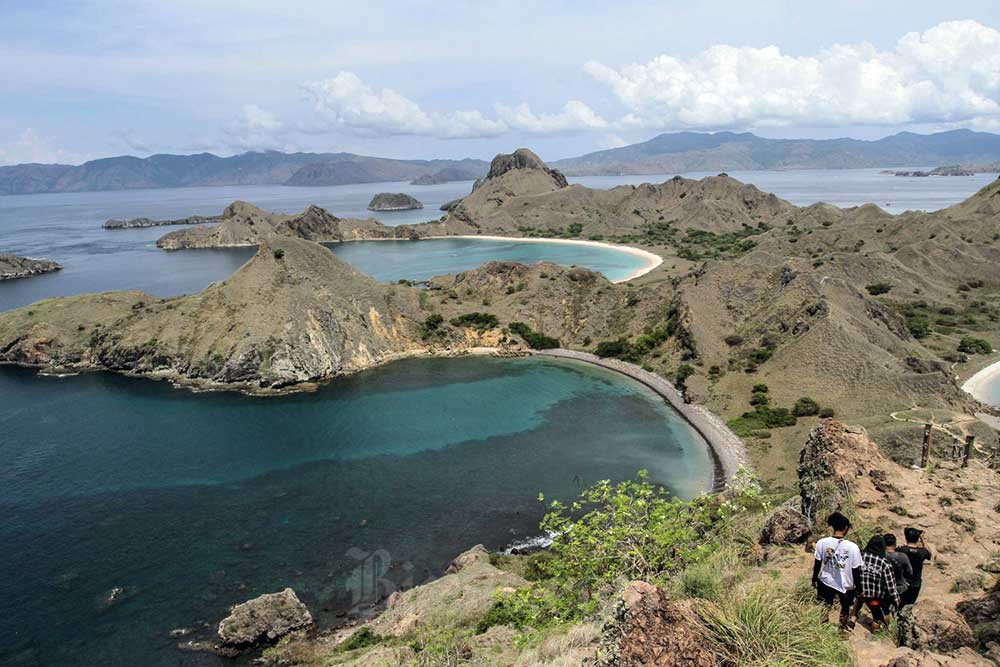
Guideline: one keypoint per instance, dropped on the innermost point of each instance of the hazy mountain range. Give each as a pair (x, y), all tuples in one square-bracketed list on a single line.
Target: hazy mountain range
[(665, 154)]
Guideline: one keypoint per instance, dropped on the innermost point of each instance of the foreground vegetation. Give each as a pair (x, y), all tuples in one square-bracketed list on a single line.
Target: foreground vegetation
[(701, 550)]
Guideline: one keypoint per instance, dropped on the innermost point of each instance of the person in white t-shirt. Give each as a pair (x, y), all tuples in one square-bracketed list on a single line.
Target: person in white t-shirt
[(837, 569)]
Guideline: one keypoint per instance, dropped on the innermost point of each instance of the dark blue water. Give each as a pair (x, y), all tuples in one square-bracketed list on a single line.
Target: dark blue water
[(190, 503)]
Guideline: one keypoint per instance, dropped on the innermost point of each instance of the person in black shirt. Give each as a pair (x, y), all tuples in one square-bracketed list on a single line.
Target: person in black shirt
[(902, 571), (917, 551)]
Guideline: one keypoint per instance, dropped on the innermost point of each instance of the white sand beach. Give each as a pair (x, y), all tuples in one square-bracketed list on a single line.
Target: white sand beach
[(977, 384), (652, 259)]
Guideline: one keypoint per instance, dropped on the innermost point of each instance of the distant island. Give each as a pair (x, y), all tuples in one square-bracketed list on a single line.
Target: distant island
[(450, 175), (394, 201), (693, 151), (13, 266), (950, 170), (665, 154), (137, 223)]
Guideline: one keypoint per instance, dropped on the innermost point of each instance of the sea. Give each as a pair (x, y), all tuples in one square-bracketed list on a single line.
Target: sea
[(135, 514)]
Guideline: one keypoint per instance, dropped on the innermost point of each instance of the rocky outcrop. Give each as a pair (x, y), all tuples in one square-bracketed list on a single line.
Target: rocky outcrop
[(930, 625), (13, 266), (476, 554), (647, 629), (522, 158), (137, 223), (264, 619), (835, 456), (983, 615), (786, 525), (393, 201)]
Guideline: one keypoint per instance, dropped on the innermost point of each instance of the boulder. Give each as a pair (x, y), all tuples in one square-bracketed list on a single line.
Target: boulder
[(476, 554), (983, 615), (785, 525), (931, 626), (647, 629), (966, 657), (265, 618)]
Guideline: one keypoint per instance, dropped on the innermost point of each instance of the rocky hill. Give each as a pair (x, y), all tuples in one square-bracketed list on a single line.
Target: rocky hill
[(14, 266)]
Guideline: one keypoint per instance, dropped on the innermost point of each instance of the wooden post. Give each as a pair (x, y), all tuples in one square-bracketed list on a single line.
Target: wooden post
[(925, 452), (969, 440)]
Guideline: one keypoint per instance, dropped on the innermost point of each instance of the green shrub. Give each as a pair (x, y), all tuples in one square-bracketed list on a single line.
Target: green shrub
[(919, 326), (617, 349), (764, 625), (279, 253), (362, 638), (878, 288), (760, 388), (478, 321), (826, 413), (761, 418), (733, 340), (805, 407), (535, 340), (970, 345), (683, 373), (431, 325)]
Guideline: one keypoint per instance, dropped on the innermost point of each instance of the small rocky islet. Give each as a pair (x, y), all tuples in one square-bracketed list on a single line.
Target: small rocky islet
[(15, 266), (394, 201)]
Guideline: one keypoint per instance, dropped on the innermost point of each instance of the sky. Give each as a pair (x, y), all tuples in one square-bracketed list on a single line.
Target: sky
[(83, 79)]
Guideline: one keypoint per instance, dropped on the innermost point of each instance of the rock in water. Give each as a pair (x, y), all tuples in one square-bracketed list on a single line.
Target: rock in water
[(393, 201), (266, 618)]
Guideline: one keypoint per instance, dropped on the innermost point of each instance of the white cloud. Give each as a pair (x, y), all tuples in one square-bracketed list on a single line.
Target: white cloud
[(255, 129), (575, 116), (346, 102), (29, 147), (949, 73)]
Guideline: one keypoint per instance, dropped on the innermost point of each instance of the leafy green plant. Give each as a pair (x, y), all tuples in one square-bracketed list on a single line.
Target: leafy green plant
[(279, 253), (362, 638), (876, 289)]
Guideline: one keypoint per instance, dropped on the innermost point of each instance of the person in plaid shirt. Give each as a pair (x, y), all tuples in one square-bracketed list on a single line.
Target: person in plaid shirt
[(878, 583)]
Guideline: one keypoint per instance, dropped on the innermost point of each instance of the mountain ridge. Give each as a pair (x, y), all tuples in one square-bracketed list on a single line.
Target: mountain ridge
[(666, 153)]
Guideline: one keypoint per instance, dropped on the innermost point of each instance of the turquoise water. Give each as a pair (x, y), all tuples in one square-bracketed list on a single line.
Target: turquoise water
[(420, 260), (190, 503)]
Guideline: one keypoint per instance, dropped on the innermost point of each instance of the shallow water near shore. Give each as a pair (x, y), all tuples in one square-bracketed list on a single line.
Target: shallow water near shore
[(189, 503)]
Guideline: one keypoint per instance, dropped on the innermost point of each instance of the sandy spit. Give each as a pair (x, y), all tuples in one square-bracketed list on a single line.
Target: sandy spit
[(652, 259), (726, 447)]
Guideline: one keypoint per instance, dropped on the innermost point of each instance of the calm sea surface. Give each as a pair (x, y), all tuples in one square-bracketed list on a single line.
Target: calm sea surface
[(132, 509), (188, 503)]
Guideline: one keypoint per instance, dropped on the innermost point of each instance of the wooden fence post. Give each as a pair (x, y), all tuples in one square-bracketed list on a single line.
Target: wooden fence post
[(925, 452), (969, 440)]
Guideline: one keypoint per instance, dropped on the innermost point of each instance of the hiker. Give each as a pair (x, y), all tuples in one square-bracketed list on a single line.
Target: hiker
[(902, 570), (916, 550), (878, 584), (837, 567)]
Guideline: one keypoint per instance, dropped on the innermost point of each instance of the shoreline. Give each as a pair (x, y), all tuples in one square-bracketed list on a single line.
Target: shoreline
[(652, 259), (727, 450), (978, 381)]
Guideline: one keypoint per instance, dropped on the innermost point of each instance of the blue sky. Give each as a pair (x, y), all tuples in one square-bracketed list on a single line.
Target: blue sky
[(437, 79)]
